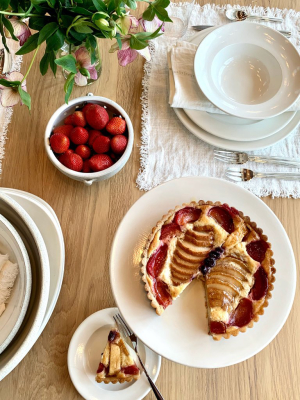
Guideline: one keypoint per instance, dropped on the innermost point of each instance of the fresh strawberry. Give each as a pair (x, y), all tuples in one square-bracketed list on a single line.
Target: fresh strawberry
[(86, 166), (64, 129), (79, 135), (68, 120), (96, 116), (76, 119), (118, 144), (92, 136), (86, 107), (116, 126), (59, 143), (72, 161), (101, 144), (99, 162), (83, 151)]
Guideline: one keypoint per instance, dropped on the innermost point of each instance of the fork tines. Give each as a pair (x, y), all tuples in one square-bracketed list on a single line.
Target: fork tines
[(226, 156), (122, 326), (235, 175)]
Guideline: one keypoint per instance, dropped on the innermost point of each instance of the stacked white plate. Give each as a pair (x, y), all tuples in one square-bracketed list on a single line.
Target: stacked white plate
[(36, 234), (250, 72)]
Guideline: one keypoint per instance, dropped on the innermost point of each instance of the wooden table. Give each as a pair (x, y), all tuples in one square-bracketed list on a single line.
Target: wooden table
[(89, 217)]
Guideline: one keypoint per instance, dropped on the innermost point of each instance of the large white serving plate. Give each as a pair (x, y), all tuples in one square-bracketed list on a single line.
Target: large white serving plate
[(235, 145), (16, 307), (248, 70), (180, 334), (49, 226), (84, 356), (233, 128)]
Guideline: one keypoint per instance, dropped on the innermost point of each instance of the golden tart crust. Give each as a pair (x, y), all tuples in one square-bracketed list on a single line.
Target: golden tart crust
[(229, 281)]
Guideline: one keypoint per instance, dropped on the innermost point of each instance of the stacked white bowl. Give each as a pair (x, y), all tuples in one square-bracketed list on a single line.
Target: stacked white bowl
[(31, 236)]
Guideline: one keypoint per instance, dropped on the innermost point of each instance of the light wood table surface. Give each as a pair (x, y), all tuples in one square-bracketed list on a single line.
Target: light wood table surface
[(89, 217)]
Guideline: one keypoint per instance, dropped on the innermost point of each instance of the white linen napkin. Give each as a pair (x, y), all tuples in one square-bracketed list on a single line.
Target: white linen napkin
[(168, 150), (184, 91)]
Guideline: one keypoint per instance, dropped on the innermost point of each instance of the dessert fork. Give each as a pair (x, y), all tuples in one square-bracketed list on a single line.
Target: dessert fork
[(128, 334), (233, 157), (243, 175)]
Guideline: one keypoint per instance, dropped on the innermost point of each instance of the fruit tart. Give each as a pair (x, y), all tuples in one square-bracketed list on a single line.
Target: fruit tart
[(116, 364), (222, 247)]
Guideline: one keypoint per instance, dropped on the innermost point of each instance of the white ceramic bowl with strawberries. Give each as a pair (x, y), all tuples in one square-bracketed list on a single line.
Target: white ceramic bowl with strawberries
[(93, 144)]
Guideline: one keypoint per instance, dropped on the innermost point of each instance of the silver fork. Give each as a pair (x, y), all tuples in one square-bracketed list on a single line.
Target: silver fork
[(127, 333), (234, 157), (243, 175)]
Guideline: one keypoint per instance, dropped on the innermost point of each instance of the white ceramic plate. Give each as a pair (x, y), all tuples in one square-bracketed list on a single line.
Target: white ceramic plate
[(235, 145), (180, 334), (233, 128), (37, 252), (84, 356), (48, 224), (14, 313), (248, 70)]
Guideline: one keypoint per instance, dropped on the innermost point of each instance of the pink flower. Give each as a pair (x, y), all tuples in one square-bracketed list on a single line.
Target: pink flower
[(127, 23), (10, 95), (127, 55), (21, 30), (83, 60), (151, 26)]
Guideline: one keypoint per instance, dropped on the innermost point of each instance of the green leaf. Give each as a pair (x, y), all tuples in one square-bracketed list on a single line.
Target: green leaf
[(53, 66), (78, 36), (37, 23), (162, 14), (148, 35), (51, 3), (83, 29), (47, 31), (4, 4), (162, 3), (119, 42), (85, 72), (137, 44), (81, 10), (25, 97), (2, 33), (69, 87), (149, 14), (9, 27), (7, 83), (131, 4), (99, 5), (67, 62), (30, 45), (56, 41), (44, 64)]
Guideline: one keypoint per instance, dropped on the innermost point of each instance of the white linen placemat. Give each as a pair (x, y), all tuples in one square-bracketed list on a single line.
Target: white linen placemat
[(169, 150)]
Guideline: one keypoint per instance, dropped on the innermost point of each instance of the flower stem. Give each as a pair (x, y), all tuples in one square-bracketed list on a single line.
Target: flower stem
[(32, 61), (19, 14)]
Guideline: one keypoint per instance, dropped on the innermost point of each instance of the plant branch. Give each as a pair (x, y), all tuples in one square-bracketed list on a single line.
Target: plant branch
[(32, 61), (19, 14)]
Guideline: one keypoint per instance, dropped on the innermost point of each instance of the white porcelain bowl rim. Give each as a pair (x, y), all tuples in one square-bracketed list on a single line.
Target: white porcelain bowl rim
[(92, 175), (249, 33), (27, 274)]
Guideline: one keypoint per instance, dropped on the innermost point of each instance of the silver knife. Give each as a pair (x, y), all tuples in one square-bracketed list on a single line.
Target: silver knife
[(287, 34)]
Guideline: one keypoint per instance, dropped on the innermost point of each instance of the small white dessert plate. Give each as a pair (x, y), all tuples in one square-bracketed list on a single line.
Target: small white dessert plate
[(248, 70), (180, 334), (236, 145), (84, 355)]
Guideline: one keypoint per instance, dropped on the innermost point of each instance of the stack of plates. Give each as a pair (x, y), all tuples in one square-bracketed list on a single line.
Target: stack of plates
[(251, 73), (31, 234)]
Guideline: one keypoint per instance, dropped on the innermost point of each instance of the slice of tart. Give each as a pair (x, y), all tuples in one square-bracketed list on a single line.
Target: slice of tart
[(116, 363), (216, 243)]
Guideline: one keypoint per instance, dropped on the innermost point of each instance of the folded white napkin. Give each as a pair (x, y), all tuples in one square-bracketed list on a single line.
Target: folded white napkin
[(184, 91), (8, 274)]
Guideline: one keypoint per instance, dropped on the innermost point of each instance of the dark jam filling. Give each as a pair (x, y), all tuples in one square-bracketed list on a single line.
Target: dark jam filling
[(261, 284), (211, 260), (169, 231), (257, 250), (131, 370), (161, 293), (101, 368)]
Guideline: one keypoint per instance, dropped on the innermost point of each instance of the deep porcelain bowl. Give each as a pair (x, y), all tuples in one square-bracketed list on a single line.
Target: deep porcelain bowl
[(67, 109), (248, 70)]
